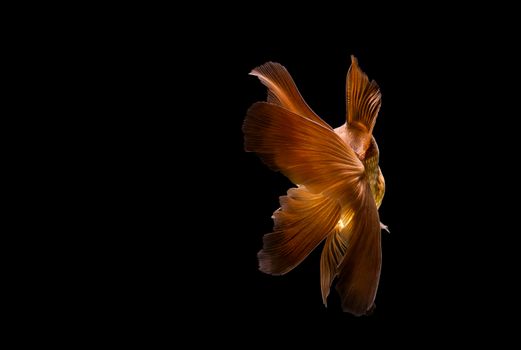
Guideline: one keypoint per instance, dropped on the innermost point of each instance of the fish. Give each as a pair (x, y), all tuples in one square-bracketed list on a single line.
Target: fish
[(339, 184)]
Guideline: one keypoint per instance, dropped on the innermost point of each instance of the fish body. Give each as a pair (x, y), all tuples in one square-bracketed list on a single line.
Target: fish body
[(339, 184)]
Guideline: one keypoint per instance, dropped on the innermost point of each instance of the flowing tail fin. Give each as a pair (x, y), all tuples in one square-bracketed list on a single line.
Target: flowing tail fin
[(282, 90), (301, 223), (353, 254)]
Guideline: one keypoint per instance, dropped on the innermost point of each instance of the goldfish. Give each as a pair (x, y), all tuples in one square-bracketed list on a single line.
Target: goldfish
[(339, 184)]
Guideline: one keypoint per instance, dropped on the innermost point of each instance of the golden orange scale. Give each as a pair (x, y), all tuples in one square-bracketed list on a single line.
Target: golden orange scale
[(339, 184)]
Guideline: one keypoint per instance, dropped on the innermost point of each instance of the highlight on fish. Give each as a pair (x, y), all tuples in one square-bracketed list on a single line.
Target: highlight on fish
[(339, 184)]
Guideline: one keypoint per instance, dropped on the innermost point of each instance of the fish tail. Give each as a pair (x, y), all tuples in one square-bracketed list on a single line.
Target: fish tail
[(300, 224)]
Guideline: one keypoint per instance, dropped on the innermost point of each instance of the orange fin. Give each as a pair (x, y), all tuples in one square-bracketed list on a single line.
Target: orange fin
[(282, 90), (363, 104), (353, 254), (301, 223), (306, 152)]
